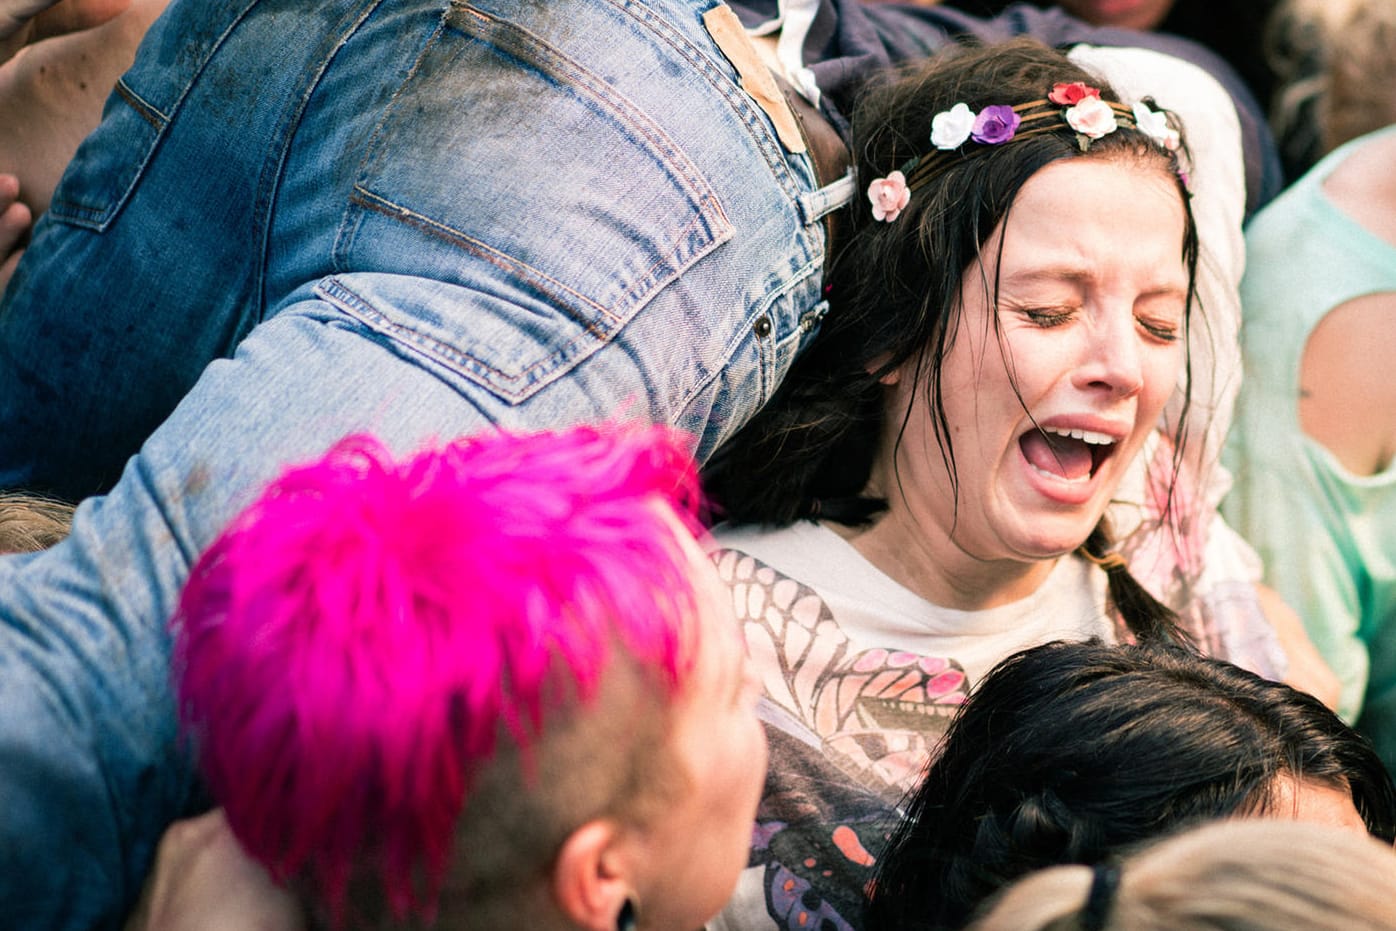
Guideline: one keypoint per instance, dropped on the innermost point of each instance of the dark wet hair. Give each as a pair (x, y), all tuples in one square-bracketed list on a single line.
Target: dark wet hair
[(1074, 752), (895, 293)]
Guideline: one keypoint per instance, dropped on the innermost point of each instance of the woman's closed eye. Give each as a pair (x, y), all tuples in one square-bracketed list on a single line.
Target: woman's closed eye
[(1165, 330), (1047, 317)]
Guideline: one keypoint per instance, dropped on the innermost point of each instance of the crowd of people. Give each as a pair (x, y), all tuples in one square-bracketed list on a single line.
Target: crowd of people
[(672, 464)]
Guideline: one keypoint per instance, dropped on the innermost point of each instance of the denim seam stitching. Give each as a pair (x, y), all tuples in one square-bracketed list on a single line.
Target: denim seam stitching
[(501, 260), (598, 90), (341, 295), (374, 157), (515, 40), (720, 77), (144, 108), (280, 140), (103, 215), (740, 334)]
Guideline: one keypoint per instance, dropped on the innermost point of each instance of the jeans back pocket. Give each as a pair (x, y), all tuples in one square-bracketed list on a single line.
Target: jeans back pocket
[(526, 173), (109, 163)]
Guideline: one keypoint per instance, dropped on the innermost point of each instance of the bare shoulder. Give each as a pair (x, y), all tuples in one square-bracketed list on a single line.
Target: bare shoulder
[(1364, 187)]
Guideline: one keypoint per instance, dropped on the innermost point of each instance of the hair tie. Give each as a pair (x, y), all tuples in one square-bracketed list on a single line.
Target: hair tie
[(1105, 881), (1110, 562)]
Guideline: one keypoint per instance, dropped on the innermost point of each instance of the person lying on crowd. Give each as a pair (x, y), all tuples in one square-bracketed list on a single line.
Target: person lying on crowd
[(1075, 752), (413, 218), (490, 685)]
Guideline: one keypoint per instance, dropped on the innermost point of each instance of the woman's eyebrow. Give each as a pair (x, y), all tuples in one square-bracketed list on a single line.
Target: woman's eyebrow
[(1078, 275), (1074, 274)]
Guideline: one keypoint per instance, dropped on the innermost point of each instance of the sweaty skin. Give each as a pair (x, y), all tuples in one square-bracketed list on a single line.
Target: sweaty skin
[(58, 68), (1089, 316)]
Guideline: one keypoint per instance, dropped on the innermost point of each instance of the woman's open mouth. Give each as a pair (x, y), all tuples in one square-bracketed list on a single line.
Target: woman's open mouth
[(1066, 455)]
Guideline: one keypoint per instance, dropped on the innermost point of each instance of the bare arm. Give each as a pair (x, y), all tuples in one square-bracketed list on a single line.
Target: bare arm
[(1307, 670), (1348, 398), (52, 91)]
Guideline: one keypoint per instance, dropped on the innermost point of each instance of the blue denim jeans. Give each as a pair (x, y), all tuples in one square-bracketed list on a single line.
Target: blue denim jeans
[(409, 217)]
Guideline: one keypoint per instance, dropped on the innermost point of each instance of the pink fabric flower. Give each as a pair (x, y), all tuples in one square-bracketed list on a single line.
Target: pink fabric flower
[(995, 125), (1068, 95), (950, 128), (889, 196), (1092, 117)]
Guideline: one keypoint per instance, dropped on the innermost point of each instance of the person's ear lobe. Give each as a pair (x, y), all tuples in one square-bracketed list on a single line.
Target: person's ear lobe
[(890, 379), (593, 877)]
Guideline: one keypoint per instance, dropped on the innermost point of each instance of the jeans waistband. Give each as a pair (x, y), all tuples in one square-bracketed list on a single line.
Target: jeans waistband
[(827, 152)]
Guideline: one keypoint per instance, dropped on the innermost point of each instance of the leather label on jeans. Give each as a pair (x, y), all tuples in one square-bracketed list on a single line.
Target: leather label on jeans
[(727, 32)]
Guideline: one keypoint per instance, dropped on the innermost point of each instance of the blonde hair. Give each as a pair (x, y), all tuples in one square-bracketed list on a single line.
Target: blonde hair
[(1336, 68), (1242, 875), (29, 523)]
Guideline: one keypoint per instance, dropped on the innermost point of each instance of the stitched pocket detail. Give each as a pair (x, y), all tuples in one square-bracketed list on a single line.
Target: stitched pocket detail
[(109, 163), (575, 211)]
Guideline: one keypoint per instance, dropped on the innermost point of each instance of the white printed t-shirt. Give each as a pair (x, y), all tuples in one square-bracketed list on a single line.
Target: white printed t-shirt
[(860, 679)]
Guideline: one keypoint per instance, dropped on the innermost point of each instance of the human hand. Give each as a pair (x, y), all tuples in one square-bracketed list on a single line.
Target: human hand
[(1308, 671), (203, 881), (26, 21), (15, 220)]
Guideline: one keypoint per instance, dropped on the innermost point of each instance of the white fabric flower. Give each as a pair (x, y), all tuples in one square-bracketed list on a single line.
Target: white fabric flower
[(950, 128), (1154, 124)]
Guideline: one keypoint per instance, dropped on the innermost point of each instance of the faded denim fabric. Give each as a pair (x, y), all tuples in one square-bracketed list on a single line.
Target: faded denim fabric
[(410, 217)]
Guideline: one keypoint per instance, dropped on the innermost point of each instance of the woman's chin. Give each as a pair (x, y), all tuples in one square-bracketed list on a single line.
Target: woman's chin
[(1051, 537), (1046, 526)]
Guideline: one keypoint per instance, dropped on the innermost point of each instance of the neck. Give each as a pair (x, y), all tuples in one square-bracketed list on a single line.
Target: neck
[(939, 570)]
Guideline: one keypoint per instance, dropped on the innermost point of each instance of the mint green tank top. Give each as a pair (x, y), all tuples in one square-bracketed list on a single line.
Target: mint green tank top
[(1328, 537)]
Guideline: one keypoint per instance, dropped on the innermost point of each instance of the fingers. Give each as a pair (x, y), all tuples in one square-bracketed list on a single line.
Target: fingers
[(71, 15), (26, 21), (15, 221), (15, 14)]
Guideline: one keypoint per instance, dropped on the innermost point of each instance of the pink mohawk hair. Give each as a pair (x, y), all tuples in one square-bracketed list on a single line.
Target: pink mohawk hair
[(348, 650)]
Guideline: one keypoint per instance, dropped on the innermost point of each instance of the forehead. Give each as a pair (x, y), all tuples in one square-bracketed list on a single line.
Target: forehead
[(1315, 802), (1096, 216)]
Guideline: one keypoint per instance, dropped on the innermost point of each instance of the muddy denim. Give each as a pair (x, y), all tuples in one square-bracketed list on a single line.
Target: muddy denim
[(410, 217)]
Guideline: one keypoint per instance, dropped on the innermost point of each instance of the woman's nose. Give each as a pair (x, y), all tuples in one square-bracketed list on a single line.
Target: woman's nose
[(1113, 356)]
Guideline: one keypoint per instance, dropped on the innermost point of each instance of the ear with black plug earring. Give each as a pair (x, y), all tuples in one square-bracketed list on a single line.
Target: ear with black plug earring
[(625, 921)]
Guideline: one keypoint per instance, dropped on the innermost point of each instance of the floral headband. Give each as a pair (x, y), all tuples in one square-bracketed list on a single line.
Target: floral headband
[(1078, 105)]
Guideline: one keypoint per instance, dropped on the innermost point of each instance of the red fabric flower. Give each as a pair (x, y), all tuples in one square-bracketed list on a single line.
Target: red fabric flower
[(1068, 95)]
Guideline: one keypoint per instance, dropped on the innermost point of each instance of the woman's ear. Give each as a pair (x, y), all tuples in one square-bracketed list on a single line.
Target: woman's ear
[(890, 379), (594, 874)]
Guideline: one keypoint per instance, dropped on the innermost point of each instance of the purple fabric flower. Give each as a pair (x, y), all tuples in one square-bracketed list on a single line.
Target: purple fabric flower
[(995, 125)]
